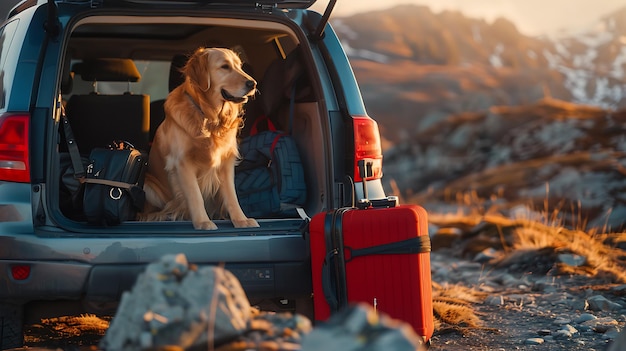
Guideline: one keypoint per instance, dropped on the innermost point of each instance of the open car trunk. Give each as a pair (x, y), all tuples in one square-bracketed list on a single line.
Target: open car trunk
[(102, 111)]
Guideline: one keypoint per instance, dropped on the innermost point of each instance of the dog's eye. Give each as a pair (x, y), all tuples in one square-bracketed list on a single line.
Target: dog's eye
[(225, 66)]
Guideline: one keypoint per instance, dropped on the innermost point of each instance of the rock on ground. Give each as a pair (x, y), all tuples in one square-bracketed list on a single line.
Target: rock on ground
[(177, 306), (173, 303)]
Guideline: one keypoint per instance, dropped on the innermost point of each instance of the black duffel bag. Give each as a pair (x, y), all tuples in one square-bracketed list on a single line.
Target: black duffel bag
[(114, 185)]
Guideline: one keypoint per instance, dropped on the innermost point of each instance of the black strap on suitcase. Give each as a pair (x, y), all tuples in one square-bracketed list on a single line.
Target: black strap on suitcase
[(334, 269)]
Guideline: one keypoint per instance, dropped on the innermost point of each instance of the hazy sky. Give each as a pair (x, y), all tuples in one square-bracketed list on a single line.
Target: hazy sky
[(532, 17)]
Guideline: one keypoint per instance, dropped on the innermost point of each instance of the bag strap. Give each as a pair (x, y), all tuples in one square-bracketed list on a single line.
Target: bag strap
[(331, 260), (72, 147), (340, 268), (274, 142), (415, 245), (334, 269), (112, 183), (136, 193), (329, 289), (270, 126)]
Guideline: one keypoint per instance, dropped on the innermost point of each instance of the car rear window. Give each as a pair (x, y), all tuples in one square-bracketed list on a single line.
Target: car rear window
[(153, 82)]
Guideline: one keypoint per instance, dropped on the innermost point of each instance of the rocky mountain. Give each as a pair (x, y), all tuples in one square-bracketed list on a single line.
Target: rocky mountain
[(480, 117), (434, 64)]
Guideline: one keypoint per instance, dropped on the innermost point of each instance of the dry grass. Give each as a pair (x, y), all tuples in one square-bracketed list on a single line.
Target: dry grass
[(86, 329), (600, 258), (536, 232), (528, 236), (452, 306), (531, 240), (79, 324)]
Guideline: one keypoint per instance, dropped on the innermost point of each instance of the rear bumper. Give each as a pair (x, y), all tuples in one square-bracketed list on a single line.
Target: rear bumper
[(101, 268), (263, 280), (103, 283)]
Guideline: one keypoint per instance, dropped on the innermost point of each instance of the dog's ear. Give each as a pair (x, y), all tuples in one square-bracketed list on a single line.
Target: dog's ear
[(197, 69)]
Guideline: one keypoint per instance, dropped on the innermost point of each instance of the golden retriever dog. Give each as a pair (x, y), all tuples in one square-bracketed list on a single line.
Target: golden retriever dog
[(191, 168)]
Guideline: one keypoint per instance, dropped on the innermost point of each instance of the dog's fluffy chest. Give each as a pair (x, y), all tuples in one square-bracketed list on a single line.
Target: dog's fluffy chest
[(211, 148)]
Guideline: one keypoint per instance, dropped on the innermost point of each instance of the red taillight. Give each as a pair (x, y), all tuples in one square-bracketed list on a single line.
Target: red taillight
[(14, 163), (367, 146), (20, 272)]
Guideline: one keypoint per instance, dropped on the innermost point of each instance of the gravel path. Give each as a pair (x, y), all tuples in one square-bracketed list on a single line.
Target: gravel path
[(531, 312)]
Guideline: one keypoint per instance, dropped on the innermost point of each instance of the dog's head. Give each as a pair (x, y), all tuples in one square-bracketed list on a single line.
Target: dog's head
[(217, 72)]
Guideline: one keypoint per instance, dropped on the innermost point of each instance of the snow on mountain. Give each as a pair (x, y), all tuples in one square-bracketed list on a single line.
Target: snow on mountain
[(593, 63), (590, 65)]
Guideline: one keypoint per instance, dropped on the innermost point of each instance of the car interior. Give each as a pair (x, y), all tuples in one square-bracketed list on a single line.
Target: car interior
[(119, 71)]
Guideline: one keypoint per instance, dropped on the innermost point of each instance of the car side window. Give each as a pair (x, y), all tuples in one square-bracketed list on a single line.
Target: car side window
[(7, 33)]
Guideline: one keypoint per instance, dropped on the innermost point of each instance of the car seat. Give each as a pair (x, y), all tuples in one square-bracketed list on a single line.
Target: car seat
[(99, 119), (283, 81)]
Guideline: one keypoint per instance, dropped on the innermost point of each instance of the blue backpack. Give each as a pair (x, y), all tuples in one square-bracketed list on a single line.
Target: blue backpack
[(269, 179)]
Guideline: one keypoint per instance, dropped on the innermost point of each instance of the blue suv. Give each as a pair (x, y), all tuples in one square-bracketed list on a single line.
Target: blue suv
[(52, 260)]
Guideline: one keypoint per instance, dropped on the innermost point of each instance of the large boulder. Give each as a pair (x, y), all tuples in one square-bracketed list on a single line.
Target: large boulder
[(174, 303)]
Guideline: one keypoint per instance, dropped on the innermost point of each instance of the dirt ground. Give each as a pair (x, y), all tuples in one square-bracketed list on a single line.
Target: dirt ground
[(503, 327)]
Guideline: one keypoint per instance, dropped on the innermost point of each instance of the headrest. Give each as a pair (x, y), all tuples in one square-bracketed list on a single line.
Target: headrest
[(107, 70)]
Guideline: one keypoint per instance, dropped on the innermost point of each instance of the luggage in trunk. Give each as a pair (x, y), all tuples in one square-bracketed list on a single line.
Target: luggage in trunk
[(380, 256)]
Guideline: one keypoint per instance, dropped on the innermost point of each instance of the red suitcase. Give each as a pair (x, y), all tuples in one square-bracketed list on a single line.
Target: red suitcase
[(380, 256)]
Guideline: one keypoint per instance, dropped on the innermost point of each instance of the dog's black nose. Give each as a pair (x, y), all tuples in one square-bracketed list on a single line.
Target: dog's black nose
[(251, 84)]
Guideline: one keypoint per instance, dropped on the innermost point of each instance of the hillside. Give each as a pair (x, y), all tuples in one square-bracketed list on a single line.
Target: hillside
[(476, 114), (551, 155), (435, 64)]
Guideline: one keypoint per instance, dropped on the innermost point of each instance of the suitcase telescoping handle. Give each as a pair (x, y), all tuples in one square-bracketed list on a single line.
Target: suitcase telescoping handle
[(366, 170)]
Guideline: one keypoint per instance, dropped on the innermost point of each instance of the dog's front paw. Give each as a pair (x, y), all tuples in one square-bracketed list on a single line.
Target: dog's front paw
[(204, 225), (245, 223)]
